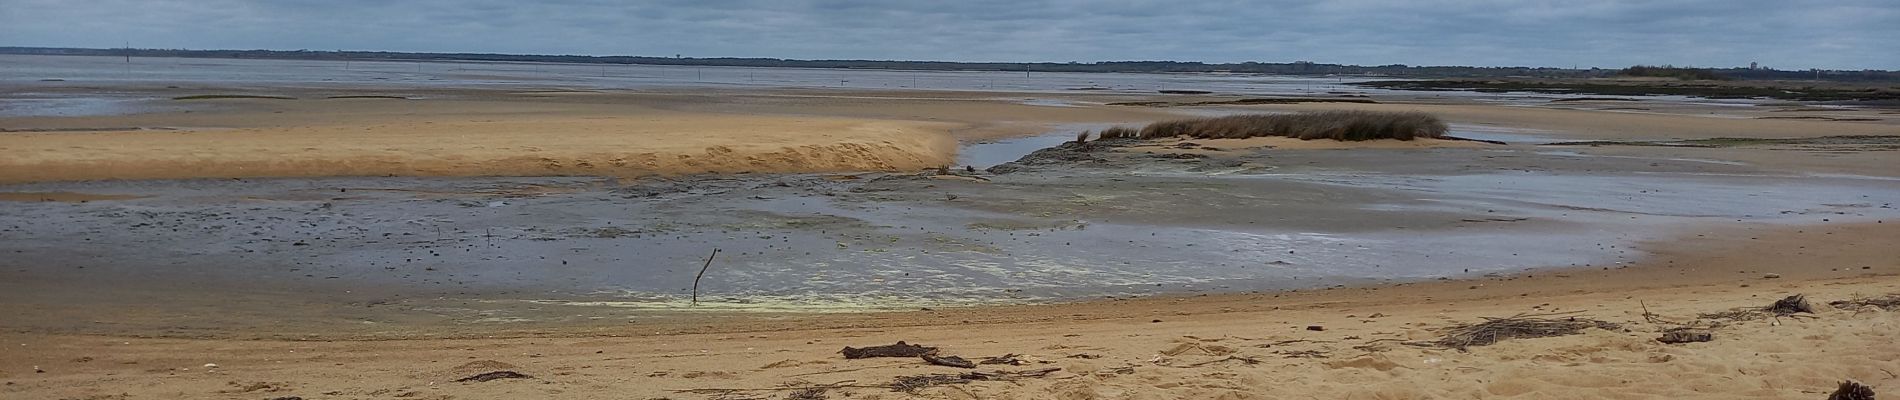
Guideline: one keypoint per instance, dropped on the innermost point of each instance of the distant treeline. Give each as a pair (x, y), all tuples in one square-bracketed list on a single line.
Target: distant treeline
[(1291, 68), (1670, 71)]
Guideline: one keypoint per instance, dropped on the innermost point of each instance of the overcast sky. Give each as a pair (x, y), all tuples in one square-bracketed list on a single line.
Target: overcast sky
[(1789, 34)]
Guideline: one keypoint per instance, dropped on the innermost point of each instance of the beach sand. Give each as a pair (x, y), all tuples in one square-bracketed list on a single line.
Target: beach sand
[(631, 134), (484, 145)]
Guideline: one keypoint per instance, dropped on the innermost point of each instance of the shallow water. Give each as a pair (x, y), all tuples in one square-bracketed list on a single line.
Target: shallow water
[(57, 105), (1503, 134), (28, 70), (990, 153)]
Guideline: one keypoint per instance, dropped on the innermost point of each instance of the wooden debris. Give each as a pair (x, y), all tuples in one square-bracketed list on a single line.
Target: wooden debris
[(948, 361), (1891, 302), (1007, 359), (900, 349), (1243, 360), (489, 376), (702, 274)]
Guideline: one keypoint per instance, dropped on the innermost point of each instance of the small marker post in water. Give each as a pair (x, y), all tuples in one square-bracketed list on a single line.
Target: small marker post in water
[(702, 274)]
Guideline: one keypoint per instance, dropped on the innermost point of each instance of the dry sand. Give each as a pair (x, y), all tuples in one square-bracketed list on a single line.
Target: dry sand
[(483, 132), (1164, 348), (480, 145), (486, 133)]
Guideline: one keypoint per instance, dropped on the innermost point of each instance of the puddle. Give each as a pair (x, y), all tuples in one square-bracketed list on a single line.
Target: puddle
[(988, 154), (63, 197), (1694, 160), (1586, 198), (1503, 134), (1048, 103), (29, 105)]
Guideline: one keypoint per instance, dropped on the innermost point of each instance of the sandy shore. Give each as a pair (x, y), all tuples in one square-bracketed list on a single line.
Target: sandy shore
[(462, 138), (270, 289), (1225, 346), (442, 132)]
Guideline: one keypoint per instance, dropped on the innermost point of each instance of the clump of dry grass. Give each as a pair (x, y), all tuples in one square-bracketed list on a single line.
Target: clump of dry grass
[(1120, 132), (1335, 125), (232, 96), (1521, 326)]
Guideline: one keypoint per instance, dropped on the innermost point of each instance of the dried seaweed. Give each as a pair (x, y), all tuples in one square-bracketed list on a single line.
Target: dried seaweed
[(913, 383), (1851, 390), (1520, 326), (1791, 305), (1787, 306), (815, 393), (900, 349)]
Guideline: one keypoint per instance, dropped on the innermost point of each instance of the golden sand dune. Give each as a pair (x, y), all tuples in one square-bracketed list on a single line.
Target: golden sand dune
[(673, 143)]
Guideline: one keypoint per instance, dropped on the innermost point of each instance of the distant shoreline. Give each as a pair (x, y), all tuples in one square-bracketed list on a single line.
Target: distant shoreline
[(1301, 68)]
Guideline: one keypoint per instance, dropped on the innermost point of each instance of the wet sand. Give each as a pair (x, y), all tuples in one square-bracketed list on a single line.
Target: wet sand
[(1111, 221), (1168, 347)]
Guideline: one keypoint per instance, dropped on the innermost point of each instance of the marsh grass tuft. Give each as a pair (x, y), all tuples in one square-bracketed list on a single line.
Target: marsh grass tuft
[(368, 96), (1120, 132), (231, 96), (1335, 125)]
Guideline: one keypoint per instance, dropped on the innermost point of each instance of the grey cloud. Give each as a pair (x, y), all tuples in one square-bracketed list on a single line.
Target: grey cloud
[(1790, 34)]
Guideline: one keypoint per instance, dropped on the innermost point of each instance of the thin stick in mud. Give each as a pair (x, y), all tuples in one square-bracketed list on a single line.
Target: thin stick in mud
[(702, 274)]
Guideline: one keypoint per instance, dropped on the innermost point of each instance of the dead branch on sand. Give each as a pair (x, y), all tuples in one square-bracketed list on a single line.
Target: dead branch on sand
[(1243, 360), (948, 361), (1891, 302), (702, 274)]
